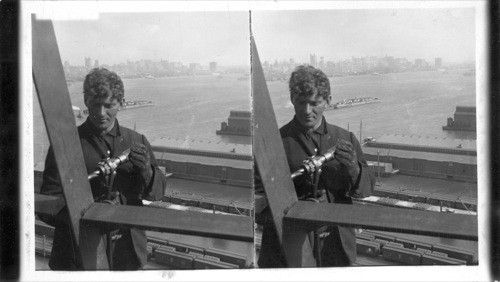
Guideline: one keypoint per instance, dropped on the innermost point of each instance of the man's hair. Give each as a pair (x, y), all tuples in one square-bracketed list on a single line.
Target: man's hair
[(100, 82), (307, 80)]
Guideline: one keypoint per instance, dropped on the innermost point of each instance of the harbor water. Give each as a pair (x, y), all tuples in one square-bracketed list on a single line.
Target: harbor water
[(192, 107)]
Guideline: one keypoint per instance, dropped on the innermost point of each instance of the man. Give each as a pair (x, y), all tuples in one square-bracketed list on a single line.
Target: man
[(347, 175), (102, 137)]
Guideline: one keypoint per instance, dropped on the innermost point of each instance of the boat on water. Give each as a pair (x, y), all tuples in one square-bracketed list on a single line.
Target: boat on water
[(127, 105), (353, 102), (136, 104)]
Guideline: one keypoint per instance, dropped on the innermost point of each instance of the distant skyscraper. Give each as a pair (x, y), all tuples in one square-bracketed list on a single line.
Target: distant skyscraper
[(194, 67), (419, 62), (276, 64), (312, 60), (88, 63), (213, 66), (322, 63), (96, 64), (438, 63), (266, 65)]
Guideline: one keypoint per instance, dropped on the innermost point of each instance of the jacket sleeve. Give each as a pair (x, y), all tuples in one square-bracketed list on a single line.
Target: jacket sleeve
[(366, 181), (156, 188), (51, 186)]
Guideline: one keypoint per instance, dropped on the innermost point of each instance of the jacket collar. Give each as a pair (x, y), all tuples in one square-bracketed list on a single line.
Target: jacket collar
[(115, 131), (321, 130)]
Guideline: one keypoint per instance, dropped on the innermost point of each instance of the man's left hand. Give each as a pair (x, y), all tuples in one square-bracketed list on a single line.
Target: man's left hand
[(346, 155), (140, 159)]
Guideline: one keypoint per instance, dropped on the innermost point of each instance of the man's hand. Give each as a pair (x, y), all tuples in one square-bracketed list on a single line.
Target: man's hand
[(346, 155), (140, 159)]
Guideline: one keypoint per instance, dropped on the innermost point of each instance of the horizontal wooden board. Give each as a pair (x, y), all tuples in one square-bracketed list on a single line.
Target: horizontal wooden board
[(48, 205), (229, 227), (446, 225)]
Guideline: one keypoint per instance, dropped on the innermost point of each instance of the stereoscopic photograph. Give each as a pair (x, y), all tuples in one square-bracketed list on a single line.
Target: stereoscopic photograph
[(257, 141), (377, 113), (162, 112)]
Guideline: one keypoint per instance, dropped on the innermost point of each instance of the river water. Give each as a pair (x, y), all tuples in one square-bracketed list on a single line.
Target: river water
[(193, 107)]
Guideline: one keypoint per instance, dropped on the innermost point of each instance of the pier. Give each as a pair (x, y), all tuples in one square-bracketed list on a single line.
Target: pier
[(464, 119), (239, 123)]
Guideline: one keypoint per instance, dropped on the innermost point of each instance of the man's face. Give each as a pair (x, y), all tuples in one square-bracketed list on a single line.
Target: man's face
[(309, 109), (102, 112)]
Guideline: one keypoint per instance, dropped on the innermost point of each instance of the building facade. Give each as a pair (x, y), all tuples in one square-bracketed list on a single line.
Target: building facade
[(454, 159)]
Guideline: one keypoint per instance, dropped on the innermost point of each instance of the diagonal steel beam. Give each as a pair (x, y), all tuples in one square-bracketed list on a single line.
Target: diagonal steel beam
[(230, 227), (55, 103), (446, 225), (273, 169)]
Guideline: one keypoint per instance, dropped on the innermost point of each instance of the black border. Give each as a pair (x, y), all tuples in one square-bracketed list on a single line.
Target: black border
[(494, 45), (9, 140)]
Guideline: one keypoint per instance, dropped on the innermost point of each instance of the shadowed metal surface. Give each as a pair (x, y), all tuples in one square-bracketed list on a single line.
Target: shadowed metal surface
[(273, 169), (55, 103), (437, 224), (48, 205), (181, 222)]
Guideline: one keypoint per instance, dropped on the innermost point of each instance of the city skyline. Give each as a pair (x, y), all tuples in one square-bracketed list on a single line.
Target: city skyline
[(277, 70), (340, 34), (206, 66), (190, 37), (202, 37)]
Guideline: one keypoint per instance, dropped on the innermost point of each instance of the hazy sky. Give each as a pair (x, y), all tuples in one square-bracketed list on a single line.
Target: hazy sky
[(340, 34), (223, 37), (189, 37)]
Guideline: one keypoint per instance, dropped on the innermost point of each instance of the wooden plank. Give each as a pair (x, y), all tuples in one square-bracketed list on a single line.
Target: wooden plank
[(48, 205), (445, 225), (273, 169), (229, 227), (55, 103), (43, 229)]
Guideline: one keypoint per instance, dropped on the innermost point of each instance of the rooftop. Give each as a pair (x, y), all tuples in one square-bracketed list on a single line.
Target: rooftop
[(203, 160), (431, 156), (209, 190), (203, 145), (427, 141)]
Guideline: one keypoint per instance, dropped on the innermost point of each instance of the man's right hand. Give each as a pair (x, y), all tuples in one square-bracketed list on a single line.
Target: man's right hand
[(140, 159)]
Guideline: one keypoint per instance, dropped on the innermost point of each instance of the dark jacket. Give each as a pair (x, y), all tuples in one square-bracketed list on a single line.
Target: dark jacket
[(127, 182), (334, 179)]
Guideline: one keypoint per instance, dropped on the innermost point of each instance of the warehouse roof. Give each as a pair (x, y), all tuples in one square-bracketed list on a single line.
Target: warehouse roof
[(427, 141)]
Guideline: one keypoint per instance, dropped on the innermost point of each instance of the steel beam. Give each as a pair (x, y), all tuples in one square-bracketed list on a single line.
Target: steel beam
[(55, 103), (447, 225), (48, 205), (230, 227), (273, 169)]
